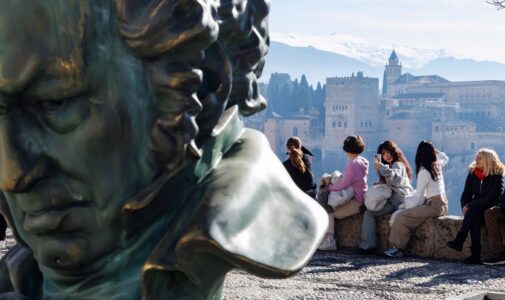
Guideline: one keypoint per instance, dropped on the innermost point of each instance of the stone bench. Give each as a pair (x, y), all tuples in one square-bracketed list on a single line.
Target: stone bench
[(428, 240)]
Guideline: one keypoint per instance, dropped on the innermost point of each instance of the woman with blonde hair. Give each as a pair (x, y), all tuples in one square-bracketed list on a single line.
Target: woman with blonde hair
[(299, 166), (483, 187)]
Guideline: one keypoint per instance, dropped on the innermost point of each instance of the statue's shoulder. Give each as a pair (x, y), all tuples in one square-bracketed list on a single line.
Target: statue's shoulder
[(19, 273), (253, 214)]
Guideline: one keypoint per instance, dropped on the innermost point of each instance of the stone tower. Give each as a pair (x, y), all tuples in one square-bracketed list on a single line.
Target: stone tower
[(392, 71), (352, 107)]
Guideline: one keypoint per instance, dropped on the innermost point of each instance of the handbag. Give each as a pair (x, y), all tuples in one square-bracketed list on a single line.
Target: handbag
[(376, 196)]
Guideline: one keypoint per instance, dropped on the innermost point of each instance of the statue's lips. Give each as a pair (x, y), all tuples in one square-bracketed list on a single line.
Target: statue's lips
[(68, 218), (48, 195)]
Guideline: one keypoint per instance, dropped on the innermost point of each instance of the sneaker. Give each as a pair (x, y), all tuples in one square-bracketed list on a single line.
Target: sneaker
[(496, 260), (393, 252), (455, 246), (328, 243)]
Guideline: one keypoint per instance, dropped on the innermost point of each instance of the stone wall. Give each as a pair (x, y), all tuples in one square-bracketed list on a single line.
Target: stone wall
[(428, 240)]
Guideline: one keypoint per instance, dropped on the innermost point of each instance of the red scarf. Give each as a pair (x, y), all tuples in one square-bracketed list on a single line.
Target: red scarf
[(479, 173)]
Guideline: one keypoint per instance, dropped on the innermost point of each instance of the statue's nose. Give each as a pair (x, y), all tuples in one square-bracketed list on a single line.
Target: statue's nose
[(20, 163)]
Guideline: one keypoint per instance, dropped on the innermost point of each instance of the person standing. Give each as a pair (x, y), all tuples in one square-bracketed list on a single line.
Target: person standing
[(299, 166), (354, 176), (430, 186), (483, 187)]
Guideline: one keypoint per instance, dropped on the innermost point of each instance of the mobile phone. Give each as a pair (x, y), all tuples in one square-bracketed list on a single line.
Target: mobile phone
[(378, 157)]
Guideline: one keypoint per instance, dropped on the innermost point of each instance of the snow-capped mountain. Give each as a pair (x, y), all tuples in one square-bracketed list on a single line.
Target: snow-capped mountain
[(362, 50), (318, 64)]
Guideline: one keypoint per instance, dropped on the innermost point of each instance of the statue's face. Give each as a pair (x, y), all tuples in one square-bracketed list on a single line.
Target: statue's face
[(75, 116)]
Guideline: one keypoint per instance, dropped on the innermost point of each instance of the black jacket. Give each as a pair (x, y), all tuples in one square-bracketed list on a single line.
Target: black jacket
[(305, 181), (482, 193), (501, 204)]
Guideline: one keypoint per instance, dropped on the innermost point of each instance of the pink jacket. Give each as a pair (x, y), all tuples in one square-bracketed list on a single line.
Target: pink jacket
[(355, 174)]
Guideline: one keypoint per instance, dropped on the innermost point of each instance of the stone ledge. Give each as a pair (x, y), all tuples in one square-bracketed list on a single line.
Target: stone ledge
[(428, 240), (479, 295)]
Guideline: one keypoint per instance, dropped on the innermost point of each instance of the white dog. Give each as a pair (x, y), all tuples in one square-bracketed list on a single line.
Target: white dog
[(336, 198)]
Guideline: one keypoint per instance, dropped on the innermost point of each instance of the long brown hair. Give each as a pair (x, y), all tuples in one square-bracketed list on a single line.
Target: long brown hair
[(426, 157), (397, 154), (294, 145)]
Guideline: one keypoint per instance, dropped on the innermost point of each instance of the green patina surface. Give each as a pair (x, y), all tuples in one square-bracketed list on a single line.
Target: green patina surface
[(125, 169)]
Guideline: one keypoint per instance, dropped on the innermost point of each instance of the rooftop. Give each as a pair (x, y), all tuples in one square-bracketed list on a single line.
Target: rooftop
[(393, 56), (401, 116), (423, 79), (419, 96)]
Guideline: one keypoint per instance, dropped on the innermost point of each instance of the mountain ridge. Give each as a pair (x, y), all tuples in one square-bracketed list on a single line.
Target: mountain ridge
[(317, 65)]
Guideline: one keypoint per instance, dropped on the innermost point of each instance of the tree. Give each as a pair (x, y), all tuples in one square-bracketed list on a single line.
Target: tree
[(499, 4), (278, 92), (304, 95)]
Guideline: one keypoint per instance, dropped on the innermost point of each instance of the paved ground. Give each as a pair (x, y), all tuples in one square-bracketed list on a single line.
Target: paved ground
[(346, 275)]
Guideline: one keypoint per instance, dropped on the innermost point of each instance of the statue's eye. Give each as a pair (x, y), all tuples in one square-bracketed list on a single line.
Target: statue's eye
[(50, 105), (62, 115)]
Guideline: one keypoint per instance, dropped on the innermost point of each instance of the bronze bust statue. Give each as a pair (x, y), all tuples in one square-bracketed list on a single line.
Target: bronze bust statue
[(125, 169)]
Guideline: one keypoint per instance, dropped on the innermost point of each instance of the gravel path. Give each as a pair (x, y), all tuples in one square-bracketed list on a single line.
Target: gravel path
[(346, 275)]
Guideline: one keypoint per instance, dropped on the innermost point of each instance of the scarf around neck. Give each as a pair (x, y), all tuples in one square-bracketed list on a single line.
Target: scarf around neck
[(479, 173)]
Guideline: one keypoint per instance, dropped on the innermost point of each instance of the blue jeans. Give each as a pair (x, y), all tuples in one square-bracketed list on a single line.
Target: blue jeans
[(368, 231)]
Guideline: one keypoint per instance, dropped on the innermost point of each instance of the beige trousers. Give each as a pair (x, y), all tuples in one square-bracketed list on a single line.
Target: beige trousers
[(349, 209), (409, 219)]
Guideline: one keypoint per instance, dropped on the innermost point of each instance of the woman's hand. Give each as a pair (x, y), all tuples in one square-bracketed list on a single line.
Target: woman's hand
[(376, 164), (465, 209)]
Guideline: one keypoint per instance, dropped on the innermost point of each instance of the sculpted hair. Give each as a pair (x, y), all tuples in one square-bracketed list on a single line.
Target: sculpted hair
[(294, 145), (397, 154), (491, 164), (195, 76), (427, 158), (244, 34), (170, 37)]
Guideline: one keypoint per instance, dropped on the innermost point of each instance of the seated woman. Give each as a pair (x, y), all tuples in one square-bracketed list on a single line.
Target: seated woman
[(430, 186), (355, 175), (299, 166), (483, 187), (394, 171)]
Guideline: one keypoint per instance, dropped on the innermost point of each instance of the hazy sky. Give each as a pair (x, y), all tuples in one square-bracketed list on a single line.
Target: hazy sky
[(471, 28)]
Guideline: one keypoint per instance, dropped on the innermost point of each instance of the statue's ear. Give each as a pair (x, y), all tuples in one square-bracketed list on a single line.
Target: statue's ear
[(6, 213), (214, 91)]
